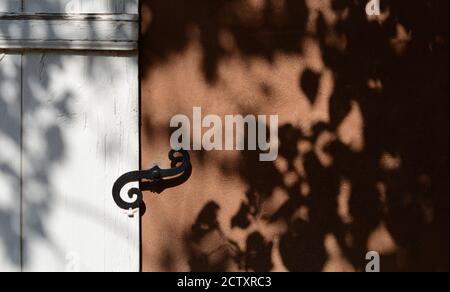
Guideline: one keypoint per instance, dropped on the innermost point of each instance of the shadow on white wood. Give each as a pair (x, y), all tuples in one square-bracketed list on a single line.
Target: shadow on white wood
[(73, 31), (80, 134), (68, 128), (10, 157), (10, 6), (81, 6)]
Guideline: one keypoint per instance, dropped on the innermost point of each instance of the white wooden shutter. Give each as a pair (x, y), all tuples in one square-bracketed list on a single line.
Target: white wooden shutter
[(68, 128)]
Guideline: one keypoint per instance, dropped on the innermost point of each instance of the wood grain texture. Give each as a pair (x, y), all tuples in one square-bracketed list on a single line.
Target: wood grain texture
[(10, 5), (81, 6), (80, 134), (10, 161), (69, 31), (68, 129)]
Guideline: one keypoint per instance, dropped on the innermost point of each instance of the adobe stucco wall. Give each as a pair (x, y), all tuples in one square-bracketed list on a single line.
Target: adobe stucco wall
[(343, 90)]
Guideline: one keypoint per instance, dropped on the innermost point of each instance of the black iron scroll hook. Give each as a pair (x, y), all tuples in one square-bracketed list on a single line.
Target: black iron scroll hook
[(180, 162)]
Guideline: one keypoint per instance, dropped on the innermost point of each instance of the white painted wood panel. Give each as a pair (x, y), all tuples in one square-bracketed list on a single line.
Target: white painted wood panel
[(81, 6), (69, 31), (10, 6), (80, 134), (10, 161), (68, 129)]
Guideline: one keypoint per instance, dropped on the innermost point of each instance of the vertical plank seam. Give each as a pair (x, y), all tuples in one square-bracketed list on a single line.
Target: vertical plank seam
[(21, 183), (21, 216), (140, 268)]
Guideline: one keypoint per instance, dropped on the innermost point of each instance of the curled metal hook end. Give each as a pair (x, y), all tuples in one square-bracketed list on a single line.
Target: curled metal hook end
[(180, 162)]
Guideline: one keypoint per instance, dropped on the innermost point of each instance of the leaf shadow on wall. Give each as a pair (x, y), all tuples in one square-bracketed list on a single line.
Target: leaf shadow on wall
[(400, 85)]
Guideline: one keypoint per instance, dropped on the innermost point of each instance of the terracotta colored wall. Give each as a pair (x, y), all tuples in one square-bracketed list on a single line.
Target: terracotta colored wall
[(363, 141)]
